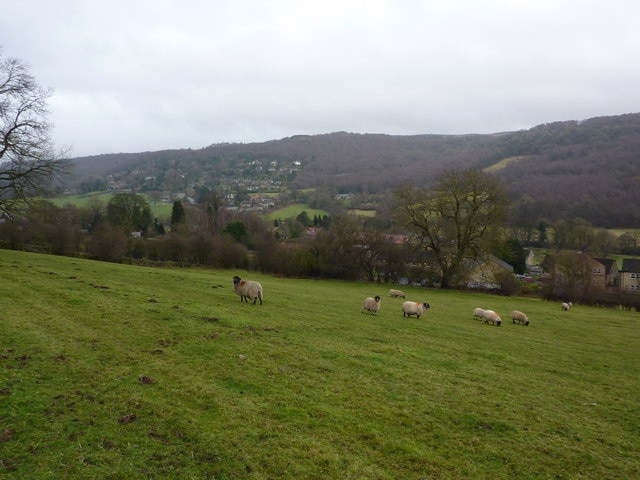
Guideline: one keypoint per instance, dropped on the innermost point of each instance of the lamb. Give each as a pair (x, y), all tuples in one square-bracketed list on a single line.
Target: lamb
[(566, 306), (491, 317), (396, 293), (371, 304), (414, 308), (478, 313), (247, 290), (519, 317)]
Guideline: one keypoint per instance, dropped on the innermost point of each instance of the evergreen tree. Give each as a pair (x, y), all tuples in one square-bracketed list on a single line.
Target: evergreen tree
[(178, 217)]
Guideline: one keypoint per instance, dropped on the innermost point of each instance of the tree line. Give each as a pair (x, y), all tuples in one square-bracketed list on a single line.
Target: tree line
[(464, 217)]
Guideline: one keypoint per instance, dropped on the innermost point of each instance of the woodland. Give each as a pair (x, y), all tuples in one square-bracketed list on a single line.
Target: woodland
[(586, 169)]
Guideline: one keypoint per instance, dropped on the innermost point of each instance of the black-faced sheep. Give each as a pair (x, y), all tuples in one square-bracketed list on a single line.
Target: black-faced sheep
[(478, 313), (491, 317), (371, 304), (519, 317), (247, 290), (396, 293), (566, 305), (414, 308)]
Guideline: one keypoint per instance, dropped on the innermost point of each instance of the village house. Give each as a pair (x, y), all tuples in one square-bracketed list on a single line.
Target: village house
[(570, 272), (630, 275), (486, 272), (599, 273), (611, 273), (530, 263)]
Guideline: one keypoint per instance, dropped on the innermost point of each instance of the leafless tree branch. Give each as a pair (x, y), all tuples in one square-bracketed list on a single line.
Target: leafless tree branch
[(29, 159)]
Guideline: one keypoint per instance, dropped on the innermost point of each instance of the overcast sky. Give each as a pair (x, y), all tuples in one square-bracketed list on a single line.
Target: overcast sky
[(133, 76)]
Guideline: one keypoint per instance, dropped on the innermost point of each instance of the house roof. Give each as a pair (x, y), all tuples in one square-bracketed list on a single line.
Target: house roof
[(549, 262), (481, 261), (607, 262), (630, 265)]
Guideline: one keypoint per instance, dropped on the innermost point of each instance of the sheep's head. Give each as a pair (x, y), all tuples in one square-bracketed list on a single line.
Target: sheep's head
[(426, 305), (236, 279), (377, 298)]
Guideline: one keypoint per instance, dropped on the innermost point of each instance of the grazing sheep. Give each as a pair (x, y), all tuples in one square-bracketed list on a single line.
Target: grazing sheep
[(491, 317), (519, 317), (371, 304), (414, 308), (478, 313), (247, 290), (396, 293), (566, 306)]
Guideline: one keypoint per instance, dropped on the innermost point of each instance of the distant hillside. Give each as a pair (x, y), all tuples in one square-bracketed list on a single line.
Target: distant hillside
[(589, 169)]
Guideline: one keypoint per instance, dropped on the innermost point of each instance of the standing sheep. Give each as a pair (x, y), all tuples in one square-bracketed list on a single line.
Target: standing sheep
[(396, 293), (414, 308), (247, 290), (478, 313), (491, 317), (519, 317), (371, 304), (566, 306)]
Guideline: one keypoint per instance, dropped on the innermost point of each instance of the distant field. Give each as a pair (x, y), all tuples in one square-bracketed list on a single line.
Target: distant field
[(620, 231), (81, 200), (292, 211), (116, 371), (502, 163), (363, 213), (161, 210)]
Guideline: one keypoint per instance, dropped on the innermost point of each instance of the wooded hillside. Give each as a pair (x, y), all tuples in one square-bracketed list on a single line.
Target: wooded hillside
[(588, 169)]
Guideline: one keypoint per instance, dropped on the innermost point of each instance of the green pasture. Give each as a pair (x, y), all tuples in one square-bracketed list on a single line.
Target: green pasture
[(81, 200), (161, 210), (115, 371), (620, 231), (362, 213), (292, 211)]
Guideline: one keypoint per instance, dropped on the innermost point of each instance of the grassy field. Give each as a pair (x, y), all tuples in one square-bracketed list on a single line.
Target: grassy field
[(122, 372), (292, 211), (160, 210), (362, 213), (81, 200)]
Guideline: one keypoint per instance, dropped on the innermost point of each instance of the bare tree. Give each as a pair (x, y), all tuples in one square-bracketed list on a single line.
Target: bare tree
[(453, 220), (29, 160)]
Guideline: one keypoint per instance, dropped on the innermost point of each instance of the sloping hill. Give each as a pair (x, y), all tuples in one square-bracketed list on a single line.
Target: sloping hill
[(587, 169), (576, 168)]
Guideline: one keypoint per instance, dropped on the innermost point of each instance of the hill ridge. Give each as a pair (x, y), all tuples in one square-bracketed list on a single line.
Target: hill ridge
[(573, 168)]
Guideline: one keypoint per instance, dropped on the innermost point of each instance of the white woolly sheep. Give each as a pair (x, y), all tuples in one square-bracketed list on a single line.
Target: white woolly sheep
[(414, 308), (566, 306), (371, 304), (478, 313), (491, 317), (247, 290), (519, 317), (396, 293)]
